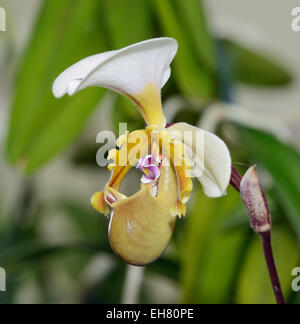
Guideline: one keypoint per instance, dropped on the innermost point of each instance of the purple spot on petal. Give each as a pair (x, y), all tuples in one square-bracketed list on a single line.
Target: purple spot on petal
[(149, 168)]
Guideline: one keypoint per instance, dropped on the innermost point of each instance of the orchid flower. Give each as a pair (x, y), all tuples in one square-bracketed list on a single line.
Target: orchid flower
[(141, 225)]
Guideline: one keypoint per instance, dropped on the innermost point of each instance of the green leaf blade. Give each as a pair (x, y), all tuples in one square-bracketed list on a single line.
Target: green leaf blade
[(74, 34)]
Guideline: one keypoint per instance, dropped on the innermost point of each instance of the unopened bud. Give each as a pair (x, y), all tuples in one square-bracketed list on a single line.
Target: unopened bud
[(255, 201)]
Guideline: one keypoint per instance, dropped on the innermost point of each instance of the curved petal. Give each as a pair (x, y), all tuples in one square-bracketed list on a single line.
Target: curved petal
[(138, 71), (209, 154)]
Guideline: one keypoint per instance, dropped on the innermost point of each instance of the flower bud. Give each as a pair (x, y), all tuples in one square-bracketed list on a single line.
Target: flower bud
[(255, 201)]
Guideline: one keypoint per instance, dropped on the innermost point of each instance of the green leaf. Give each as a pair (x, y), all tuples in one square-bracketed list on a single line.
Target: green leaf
[(211, 255), (294, 298), (87, 221), (167, 267), (195, 29), (254, 285), (109, 289), (41, 126), (283, 163), (192, 77), (29, 252), (128, 23), (255, 68)]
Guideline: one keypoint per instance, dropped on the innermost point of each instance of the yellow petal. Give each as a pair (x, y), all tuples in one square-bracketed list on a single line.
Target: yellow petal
[(141, 226), (98, 202), (174, 150), (185, 187)]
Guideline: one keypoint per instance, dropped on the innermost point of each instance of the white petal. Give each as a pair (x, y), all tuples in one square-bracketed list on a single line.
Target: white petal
[(212, 157), (77, 73), (128, 70)]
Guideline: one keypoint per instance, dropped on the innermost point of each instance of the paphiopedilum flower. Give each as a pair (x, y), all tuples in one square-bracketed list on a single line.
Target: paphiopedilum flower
[(141, 225)]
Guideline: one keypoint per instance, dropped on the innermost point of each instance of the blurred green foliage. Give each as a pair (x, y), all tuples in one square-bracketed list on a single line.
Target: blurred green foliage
[(214, 257), (210, 253), (251, 68), (42, 126)]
